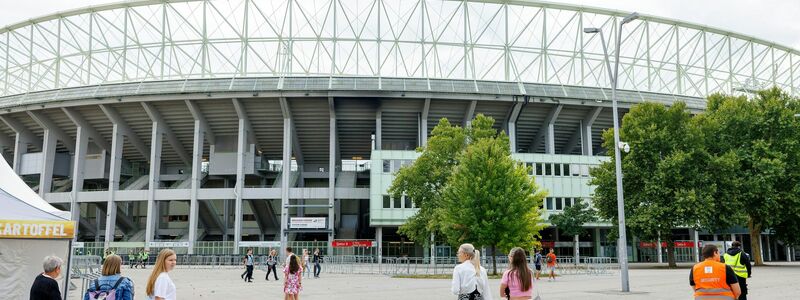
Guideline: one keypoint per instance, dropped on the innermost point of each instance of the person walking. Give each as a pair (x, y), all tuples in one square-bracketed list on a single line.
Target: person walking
[(132, 258), (45, 286), (712, 279), (739, 261), (248, 266), (551, 264), (293, 279), (272, 261), (143, 258), (317, 260), (537, 262), (470, 281), (306, 260), (289, 254), (159, 285), (111, 284), (517, 282)]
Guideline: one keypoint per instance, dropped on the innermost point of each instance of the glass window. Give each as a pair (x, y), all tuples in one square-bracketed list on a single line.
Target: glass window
[(559, 204), (567, 202), (566, 169), (396, 164), (549, 202), (530, 168), (548, 169), (539, 169), (575, 170), (557, 169), (407, 202), (387, 166), (585, 170), (387, 201)]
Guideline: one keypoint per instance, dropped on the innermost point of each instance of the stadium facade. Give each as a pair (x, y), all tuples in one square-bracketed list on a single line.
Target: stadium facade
[(215, 123)]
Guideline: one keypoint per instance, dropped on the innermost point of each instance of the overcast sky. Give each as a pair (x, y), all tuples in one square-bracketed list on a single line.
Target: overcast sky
[(772, 20)]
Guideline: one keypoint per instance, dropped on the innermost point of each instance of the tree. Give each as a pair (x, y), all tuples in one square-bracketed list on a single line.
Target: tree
[(424, 180), (571, 220), (666, 182), (490, 200), (761, 135)]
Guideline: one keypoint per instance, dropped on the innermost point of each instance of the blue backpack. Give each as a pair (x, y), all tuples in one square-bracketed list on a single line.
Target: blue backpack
[(108, 294)]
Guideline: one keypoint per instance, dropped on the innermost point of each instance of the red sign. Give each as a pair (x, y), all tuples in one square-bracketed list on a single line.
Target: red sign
[(679, 244), (684, 244), (351, 243), (548, 244)]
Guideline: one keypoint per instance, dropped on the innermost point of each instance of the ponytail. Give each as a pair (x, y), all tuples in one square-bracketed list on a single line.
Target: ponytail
[(476, 261)]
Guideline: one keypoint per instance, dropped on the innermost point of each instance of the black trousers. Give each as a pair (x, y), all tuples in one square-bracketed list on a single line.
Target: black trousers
[(249, 275), (317, 269), (272, 269), (743, 286)]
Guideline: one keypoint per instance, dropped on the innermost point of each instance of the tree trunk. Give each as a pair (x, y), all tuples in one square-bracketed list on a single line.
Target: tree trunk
[(755, 236), (494, 260), (671, 253), (577, 250)]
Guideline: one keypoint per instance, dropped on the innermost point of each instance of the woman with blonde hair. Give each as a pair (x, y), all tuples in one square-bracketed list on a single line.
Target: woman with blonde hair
[(110, 282), (160, 286), (272, 261), (470, 281), (517, 282)]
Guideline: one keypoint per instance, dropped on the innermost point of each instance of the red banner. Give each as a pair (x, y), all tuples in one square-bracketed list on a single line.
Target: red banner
[(679, 244), (351, 243), (548, 244)]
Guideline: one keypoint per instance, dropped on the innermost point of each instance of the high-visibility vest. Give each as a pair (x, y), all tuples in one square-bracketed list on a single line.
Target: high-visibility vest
[(709, 281), (736, 264)]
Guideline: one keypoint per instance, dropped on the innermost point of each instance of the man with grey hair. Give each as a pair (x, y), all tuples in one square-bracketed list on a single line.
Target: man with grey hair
[(45, 286)]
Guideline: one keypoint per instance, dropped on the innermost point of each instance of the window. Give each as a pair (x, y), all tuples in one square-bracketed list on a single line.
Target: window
[(549, 202), (539, 169), (407, 202), (387, 166), (557, 169), (248, 217), (387, 201), (568, 202), (575, 170), (180, 218), (396, 164), (585, 170), (548, 169), (559, 204), (530, 168)]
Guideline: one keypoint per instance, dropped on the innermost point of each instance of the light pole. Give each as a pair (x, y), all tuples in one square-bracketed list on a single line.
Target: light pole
[(622, 244)]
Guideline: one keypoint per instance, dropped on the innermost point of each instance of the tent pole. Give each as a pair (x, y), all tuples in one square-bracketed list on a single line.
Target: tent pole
[(69, 270)]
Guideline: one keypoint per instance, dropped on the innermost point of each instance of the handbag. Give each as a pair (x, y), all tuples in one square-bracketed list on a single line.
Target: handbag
[(475, 295)]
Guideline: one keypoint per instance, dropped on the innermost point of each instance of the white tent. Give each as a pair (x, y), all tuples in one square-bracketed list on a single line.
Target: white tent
[(30, 229)]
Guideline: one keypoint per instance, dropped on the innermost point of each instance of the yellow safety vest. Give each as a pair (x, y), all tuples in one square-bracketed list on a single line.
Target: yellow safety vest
[(735, 262)]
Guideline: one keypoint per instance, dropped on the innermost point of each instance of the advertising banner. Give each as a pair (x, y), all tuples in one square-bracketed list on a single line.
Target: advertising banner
[(32, 229)]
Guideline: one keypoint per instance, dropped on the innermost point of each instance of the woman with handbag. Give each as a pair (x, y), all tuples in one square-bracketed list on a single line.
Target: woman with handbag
[(272, 261), (517, 282), (470, 281)]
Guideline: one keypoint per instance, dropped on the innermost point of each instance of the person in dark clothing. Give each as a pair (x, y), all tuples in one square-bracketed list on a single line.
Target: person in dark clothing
[(248, 262), (317, 259), (45, 286), (272, 261), (739, 261)]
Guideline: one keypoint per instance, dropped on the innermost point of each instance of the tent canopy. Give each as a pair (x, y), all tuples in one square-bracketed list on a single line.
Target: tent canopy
[(19, 202)]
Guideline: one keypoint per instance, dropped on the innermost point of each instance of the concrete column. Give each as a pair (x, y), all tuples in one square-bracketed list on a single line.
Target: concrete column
[(733, 236), (155, 170), (332, 162), (769, 249), (286, 173), (48, 161), (197, 166), (550, 138), (20, 148), (379, 241), (239, 187), (512, 136), (81, 143), (577, 249), (696, 245), (597, 245), (97, 223), (586, 139), (433, 250), (659, 250), (761, 246), (378, 139), (423, 128), (113, 184), (788, 253)]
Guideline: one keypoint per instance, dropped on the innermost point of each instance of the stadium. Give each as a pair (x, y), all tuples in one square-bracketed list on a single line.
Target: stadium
[(212, 126)]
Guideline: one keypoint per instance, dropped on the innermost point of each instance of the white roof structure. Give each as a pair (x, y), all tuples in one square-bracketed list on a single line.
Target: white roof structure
[(19, 202)]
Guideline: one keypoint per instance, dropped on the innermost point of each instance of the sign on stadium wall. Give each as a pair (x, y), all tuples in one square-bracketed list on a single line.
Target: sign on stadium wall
[(32, 229), (351, 243), (307, 223), (678, 244), (260, 244)]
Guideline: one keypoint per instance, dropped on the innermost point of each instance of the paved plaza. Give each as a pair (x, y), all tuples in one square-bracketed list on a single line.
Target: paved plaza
[(777, 281)]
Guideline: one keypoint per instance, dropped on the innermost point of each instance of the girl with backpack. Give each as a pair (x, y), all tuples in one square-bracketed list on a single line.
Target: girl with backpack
[(293, 279), (110, 286), (517, 282), (159, 285)]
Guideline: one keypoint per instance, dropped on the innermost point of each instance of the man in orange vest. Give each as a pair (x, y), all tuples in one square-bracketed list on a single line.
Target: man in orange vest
[(713, 280)]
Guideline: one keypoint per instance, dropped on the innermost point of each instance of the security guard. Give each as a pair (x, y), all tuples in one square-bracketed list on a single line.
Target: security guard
[(712, 279), (739, 261)]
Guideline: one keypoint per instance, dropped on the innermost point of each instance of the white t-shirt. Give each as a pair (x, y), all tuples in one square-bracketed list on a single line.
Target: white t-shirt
[(164, 288)]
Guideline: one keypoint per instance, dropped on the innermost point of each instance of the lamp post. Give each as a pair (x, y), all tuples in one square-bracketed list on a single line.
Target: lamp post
[(622, 244)]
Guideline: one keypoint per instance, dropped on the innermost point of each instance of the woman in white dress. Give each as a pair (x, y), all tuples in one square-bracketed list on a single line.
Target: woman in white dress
[(470, 281), (159, 285)]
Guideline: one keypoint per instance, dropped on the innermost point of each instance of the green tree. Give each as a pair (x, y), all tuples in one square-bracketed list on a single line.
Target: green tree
[(761, 135), (666, 180), (571, 220), (490, 200)]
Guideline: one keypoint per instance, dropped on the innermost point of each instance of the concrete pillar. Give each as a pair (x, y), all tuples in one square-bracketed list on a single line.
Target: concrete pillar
[(197, 166), (659, 250), (769, 249), (761, 246), (788, 253), (48, 161), (155, 170), (332, 162), (20, 148), (577, 249), (696, 235), (550, 138), (81, 143), (586, 139), (98, 223), (113, 184), (433, 250), (286, 173), (379, 241), (733, 236), (378, 139), (238, 189), (597, 245)]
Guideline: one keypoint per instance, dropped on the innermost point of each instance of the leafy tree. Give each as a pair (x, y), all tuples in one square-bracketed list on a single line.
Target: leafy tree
[(666, 180), (571, 220), (490, 200), (761, 135), (424, 180)]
